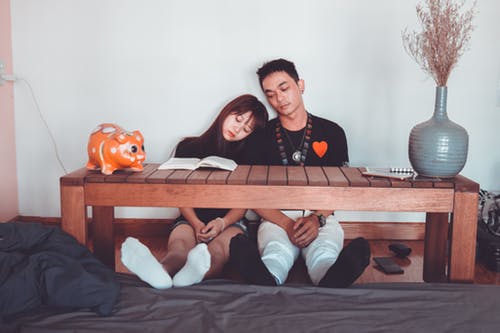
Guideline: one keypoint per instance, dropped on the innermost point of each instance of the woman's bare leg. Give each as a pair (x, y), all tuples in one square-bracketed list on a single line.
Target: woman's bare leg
[(180, 242), (219, 251)]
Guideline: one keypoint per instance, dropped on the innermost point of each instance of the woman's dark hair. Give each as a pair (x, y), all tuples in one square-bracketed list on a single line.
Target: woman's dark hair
[(278, 65), (212, 140)]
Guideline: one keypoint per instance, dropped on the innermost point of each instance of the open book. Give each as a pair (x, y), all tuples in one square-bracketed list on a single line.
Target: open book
[(188, 163), (395, 173)]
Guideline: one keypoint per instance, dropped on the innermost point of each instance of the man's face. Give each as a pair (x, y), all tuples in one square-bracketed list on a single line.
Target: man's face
[(283, 93)]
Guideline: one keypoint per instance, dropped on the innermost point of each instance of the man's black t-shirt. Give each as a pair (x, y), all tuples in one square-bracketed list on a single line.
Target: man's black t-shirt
[(327, 145)]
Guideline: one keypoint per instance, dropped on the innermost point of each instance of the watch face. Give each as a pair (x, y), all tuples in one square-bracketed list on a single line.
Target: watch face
[(322, 220)]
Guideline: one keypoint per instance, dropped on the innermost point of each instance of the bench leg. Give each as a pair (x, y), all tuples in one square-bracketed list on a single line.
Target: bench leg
[(436, 237), (74, 213), (103, 235), (463, 237)]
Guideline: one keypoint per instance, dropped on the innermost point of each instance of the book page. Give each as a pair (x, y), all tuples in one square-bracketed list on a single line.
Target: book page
[(217, 162), (180, 163)]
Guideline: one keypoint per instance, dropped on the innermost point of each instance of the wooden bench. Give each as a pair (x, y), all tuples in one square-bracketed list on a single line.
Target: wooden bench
[(450, 205)]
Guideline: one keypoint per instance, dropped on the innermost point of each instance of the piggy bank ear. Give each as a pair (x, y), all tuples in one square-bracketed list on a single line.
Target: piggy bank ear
[(121, 137), (139, 136)]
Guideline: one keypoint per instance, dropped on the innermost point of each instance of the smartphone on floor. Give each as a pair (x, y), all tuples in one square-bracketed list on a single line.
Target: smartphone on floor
[(388, 265)]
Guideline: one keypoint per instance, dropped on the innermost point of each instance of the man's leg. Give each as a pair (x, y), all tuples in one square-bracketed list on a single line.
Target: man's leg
[(270, 262), (322, 253), (277, 251), (331, 266)]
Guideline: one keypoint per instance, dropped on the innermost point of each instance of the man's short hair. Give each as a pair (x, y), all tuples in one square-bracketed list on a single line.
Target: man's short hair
[(278, 65)]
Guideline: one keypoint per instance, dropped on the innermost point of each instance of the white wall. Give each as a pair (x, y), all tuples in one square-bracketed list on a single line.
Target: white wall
[(167, 67)]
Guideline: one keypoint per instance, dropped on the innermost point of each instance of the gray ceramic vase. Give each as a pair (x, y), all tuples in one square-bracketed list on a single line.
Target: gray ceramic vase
[(438, 147)]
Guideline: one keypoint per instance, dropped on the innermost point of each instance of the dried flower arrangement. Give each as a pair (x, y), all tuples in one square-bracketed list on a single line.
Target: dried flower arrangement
[(444, 37)]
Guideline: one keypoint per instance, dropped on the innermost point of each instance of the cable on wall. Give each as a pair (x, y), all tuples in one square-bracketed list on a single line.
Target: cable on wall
[(37, 106)]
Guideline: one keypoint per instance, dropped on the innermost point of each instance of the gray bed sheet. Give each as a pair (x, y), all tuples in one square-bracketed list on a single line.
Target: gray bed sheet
[(226, 306)]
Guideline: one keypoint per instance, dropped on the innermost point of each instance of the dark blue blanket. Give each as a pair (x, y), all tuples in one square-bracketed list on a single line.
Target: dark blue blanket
[(42, 265)]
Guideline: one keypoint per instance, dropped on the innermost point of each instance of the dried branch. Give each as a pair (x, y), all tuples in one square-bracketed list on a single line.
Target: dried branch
[(444, 37)]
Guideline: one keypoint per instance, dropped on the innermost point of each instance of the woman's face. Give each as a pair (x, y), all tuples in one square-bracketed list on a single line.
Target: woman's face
[(236, 127)]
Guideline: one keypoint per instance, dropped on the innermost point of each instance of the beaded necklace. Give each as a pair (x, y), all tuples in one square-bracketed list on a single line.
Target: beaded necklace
[(299, 154)]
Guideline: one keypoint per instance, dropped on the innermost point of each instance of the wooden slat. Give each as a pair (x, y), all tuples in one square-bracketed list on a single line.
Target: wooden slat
[(95, 176), (140, 177), (257, 175), (240, 175), (316, 176), (423, 182), (277, 175), (355, 177), (159, 176), (400, 183), (335, 176), (75, 178), (218, 177), (445, 183), (384, 230), (379, 181), (178, 177), (198, 176), (463, 184), (296, 175), (376, 181), (119, 176)]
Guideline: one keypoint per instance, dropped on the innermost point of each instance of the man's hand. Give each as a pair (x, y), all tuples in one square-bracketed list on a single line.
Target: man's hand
[(305, 230)]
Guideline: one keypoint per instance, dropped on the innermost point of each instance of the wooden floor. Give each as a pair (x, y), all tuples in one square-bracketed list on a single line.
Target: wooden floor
[(412, 265)]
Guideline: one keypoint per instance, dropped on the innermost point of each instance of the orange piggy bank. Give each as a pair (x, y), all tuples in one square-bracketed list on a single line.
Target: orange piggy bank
[(112, 148)]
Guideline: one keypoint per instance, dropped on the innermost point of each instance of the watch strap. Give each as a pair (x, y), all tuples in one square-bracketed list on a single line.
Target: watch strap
[(321, 219)]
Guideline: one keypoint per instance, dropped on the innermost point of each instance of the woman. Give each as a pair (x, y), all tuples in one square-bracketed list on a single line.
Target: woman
[(198, 245)]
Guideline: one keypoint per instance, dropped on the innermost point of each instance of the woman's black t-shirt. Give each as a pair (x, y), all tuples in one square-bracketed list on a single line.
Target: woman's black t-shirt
[(189, 148)]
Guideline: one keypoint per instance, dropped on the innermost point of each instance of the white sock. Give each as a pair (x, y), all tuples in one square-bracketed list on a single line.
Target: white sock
[(278, 260), (140, 261), (197, 265)]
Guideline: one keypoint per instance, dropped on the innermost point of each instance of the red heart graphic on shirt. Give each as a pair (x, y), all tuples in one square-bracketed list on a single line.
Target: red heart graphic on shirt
[(320, 148)]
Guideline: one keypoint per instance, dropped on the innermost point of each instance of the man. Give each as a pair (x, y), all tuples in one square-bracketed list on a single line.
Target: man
[(297, 137)]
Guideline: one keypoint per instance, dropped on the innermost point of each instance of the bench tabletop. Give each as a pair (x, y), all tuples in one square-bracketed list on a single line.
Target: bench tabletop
[(265, 175)]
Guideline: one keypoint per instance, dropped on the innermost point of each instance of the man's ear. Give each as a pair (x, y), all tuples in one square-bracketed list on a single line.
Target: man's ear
[(301, 85)]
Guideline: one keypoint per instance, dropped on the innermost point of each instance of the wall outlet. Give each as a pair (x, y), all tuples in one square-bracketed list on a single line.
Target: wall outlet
[(2, 71)]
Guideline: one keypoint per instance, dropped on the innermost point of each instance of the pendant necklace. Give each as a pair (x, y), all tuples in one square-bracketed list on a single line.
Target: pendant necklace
[(296, 151), (299, 154)]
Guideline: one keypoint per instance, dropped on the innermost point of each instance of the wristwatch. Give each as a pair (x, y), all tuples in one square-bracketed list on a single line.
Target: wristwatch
[(321, 219)]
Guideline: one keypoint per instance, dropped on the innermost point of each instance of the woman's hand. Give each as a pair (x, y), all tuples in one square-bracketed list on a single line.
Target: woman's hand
[(290, 231), (197, 231), (211, 230)]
